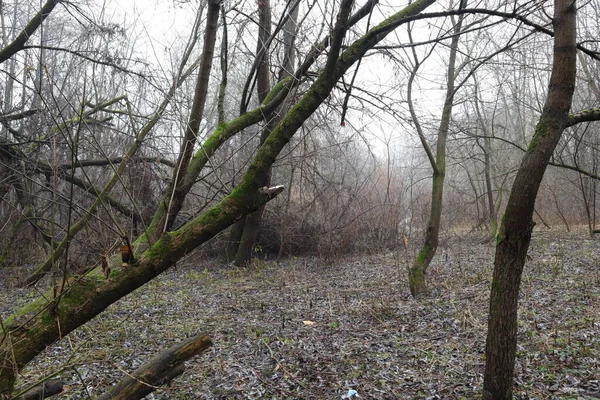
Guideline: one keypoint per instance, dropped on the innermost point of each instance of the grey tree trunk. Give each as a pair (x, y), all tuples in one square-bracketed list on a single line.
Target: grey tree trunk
[(246, 230)]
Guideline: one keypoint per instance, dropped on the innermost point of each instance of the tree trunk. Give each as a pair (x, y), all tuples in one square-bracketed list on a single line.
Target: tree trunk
[(233, 240), (489, 189), (245, 231), (416, 274), (250, 225), (517, 224), (487, 154), (39, 324), (46, 389), (173, 200)]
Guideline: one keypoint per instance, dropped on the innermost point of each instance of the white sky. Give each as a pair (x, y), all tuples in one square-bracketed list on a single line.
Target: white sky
[(161, 28)]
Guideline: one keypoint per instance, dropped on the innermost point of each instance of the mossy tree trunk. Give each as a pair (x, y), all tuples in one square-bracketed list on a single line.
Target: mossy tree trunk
[(416, 274), (244, 233), (174, 197), (517, 223), (40, 323)]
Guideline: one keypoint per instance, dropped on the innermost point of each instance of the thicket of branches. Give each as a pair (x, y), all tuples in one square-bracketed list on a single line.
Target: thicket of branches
[(81, 89)]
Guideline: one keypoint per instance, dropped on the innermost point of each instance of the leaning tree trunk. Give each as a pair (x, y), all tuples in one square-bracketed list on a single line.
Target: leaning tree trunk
[(517, 224), (416, 274)]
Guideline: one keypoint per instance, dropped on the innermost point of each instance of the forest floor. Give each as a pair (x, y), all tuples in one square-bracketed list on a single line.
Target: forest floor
[(309, 329)]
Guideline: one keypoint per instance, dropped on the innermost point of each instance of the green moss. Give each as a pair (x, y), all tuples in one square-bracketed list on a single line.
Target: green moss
[(115, 273), (276, 89), (80, 291), (422, 256), (160, 249), (29, 308), (76, 295), (416, 281), (416, 275), (541, 130)]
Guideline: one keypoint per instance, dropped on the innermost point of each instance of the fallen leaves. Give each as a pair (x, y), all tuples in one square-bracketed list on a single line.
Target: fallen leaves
[(302, 329)]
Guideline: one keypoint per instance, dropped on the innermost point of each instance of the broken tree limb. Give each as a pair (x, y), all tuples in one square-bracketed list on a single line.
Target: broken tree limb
[(167, 364), (47, 389)]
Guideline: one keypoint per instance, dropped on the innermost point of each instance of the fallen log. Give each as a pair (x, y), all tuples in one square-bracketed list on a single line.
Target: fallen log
[(159, 370), (47, 389)]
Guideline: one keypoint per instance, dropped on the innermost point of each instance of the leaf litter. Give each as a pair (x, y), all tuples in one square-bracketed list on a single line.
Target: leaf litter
[(307, 329)]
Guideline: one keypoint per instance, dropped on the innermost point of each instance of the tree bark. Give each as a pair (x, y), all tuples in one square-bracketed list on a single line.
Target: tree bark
[(517, 223), (39, 324), (46, 389), (244, 233), (34, 23), (146, 378), (487, 156), (250, 225), (175, 196)]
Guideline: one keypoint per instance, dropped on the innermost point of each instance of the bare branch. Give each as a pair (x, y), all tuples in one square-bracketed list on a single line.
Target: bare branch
[(34, 23)]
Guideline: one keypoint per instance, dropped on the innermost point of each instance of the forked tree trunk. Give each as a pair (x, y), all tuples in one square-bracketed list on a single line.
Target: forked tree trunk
[(517, 223), (244, 233), (487, 152), (172, 202)]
